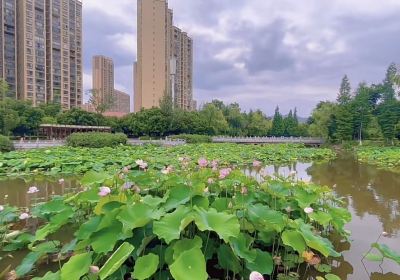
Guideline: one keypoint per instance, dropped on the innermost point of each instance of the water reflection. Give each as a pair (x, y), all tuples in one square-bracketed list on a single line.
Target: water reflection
[(373, 197), (14, 191)]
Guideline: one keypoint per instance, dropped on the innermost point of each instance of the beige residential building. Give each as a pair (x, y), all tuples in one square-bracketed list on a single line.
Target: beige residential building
[(49, 50), (8, 45), (121, 102), (103, 78), (164, 63)]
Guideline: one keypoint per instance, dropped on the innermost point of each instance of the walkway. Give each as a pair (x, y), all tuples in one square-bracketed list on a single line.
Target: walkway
[(269, 140)]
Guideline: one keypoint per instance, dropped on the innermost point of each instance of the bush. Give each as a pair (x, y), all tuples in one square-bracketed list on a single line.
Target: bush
[(193, 138), (96, 139), (5, 144)]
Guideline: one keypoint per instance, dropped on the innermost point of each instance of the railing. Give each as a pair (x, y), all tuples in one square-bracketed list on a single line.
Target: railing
[(269, 140), (37, 144), (161, 142)]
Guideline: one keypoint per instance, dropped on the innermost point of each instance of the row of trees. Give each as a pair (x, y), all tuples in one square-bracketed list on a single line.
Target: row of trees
[(370, 112), (19, 118), (215, 118)]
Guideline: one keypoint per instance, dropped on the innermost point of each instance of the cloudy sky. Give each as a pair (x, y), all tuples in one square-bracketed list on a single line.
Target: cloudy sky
[(260, 53)]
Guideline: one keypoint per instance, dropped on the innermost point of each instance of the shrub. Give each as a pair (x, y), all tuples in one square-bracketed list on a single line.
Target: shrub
[(5, 144), (193, 138), (96, 139)]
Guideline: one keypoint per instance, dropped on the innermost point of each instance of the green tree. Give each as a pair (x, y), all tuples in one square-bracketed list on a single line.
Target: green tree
[(344, 120), (278, 126), (101, 103), (388, 117), (344, 96), (257, 124), (323, 121), (214, 119), (291, 124), (388, 85)]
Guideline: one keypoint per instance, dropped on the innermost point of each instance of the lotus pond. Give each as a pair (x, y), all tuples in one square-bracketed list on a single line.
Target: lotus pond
[(169, 217), (383, 157)]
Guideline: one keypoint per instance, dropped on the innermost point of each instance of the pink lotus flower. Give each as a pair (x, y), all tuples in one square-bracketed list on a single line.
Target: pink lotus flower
[(214, 164), (125, 170), (142, 164), (308, 210), (127, 185), (33, 190), (203, 162), (210, 181), (257, 163), (94, 269), (61, 181), (1, 208), (223, 173), (167, 170), (256, 276), (104, 191), (24, 216)]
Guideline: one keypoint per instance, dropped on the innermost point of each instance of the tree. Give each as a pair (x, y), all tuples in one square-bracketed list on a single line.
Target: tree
[(388, 117), (257, 124), (291, 124), (344, 96), (344, 120), (388, 85), (4, 90), (214, 119), (323, 121), (278, 126), (100, 102)]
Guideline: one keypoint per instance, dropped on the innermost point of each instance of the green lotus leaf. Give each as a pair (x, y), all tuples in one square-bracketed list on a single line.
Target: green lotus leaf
[(387, 252), (50, 276), (241, 247), (92, 178), (183, 245), (294, 239), (304, 197), (323, 245), (224, 224), (321, 217), (266, 218), (332, 277), (177, 196), (88, 228), (170, 226), (227, 259), (190, 265), (116, 260), (145, 267), (28, 263), (76, 267), (56, 222), (104, 241), (263, 263), (137, 215)]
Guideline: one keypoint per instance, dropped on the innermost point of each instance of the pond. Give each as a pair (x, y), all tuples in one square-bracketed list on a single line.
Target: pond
[(373, 197)]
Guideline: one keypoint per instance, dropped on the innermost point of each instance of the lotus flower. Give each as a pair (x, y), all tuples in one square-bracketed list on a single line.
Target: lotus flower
[(214, 164), (94, 269), (257, 163), (256, 276), (203, 162), (244, 191), (210, 181), (33, 190), (385, 234), (1, 208), (125, 170), (24, 216), (127, 185), (166, 170), (142, 164), (206, 190), (308, 210), (223, 173), (61, 181), (104, 191)]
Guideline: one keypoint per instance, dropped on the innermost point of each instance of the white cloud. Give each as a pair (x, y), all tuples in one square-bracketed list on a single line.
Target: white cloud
[(124, 41)]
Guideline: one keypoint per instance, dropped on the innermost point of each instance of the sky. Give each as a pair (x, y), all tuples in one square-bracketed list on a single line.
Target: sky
[(259, 53)]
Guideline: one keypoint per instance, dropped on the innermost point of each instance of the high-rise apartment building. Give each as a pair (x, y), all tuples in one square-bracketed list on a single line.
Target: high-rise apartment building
[(48, 51), (8, 45), (121, 102), (103, 78), (164, 63)]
